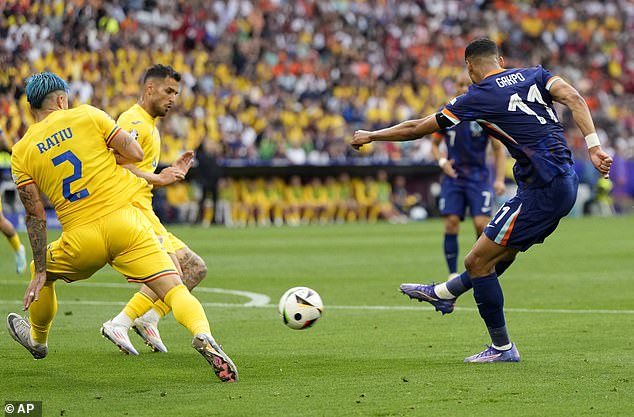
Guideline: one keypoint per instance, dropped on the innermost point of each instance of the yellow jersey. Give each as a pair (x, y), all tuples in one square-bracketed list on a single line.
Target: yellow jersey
[(66, 155), (136, 118)]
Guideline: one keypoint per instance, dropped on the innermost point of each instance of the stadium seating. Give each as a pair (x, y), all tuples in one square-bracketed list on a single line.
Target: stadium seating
[(286, 82)]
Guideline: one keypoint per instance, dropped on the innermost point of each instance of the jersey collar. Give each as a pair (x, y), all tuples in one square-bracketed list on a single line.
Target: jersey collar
[(495, 71), (145, 114)]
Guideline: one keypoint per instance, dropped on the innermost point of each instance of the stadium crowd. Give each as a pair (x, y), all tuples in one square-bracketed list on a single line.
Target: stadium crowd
[(287, 82), (275, 201), (290, 80)]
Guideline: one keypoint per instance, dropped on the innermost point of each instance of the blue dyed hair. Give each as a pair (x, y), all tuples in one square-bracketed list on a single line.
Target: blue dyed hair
[(39, 85)]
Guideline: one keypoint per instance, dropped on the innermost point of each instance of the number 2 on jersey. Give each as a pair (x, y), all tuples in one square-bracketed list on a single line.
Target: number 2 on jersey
[(68, 156)]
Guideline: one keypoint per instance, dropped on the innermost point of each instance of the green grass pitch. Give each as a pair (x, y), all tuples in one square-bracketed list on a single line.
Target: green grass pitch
[(570, 309)]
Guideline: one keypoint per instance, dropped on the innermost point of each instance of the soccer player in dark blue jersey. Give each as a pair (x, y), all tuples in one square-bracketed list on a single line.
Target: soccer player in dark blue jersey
[(466, 182), (515, 106)]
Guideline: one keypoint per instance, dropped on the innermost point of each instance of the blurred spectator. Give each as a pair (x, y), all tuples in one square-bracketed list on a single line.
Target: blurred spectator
[(209, 172), (290, 80), (403, 200)]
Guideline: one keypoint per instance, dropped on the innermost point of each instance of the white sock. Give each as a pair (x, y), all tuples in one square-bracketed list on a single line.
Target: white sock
[(152, 316), (122, 319), (505, 347), (442, 292)]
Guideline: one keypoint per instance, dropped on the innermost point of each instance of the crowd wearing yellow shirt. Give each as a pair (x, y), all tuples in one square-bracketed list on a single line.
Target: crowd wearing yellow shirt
[(275, 201), (276, 80)]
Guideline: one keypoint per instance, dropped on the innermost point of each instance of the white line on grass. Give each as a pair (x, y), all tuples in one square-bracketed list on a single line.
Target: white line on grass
[(329, 307), (262, 301), (255, 299)]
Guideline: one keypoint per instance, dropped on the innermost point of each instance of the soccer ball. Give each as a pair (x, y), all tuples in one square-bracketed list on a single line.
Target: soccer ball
[(300, 307)]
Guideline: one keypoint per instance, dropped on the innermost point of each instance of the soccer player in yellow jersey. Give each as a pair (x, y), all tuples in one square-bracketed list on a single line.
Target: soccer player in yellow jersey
[(5, 225), (71, 157), (160, 88)]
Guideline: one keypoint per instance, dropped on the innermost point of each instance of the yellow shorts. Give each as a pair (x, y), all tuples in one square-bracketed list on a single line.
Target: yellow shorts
[(170, 242), (123, 239), (175, 242), (160, 230)]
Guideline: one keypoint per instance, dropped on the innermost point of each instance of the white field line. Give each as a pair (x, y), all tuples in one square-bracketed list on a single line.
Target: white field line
[(263, 301)]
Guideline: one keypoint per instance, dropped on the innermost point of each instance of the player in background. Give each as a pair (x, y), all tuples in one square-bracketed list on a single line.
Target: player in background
[(515, 106), (5, 225), (160, 88), (71, 157), (466, 182)]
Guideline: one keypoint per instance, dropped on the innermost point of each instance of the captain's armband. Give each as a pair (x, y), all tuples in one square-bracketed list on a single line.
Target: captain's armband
[(443, 121)]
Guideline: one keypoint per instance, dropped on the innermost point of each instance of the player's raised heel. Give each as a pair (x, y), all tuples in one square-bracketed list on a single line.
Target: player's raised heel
[(150, 334), (118, 335), (491, 354), (222, 366), (426, 293), (20, 331)]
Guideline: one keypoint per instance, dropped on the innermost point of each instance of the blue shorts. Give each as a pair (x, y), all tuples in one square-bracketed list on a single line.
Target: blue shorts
[(534, 213), (458, 194)]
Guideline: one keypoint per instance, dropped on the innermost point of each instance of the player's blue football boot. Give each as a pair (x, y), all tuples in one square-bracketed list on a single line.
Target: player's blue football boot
[(422, 292), (491, 354)]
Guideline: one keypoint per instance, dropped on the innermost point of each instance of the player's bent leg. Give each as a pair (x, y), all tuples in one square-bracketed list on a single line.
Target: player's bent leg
[(422, 292), (450, 243), (33, 333), (194, 267), (146, 325), (20, 330), (504, 264), (42, 312), (189, 312), (193, 270), (484, 254), (480, 264), (14, 240)]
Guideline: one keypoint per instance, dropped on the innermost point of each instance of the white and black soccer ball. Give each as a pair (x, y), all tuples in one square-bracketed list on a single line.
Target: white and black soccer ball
[(300, 307)]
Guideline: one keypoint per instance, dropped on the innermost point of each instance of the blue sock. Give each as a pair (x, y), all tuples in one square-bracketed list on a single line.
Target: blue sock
[(502, 266), (460, 284), (451, 252), (490, 300)]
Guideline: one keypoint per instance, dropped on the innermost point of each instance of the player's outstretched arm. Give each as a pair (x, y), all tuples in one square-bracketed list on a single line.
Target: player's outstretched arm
[(408, 130), (124, 144), (565, 94), (36, 228), (176, 172), (167, 176)]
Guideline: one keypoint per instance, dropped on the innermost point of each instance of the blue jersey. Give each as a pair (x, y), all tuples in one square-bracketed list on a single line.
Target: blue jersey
[(466, 146), (515, 106)]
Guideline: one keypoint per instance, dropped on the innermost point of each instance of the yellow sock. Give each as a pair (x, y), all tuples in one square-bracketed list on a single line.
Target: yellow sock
[(15, 242), (138, 305), (161, 308), (42, 313), (187, 310)]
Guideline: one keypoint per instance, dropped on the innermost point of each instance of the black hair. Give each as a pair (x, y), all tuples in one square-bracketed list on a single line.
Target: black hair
[(161, 71), (481, 47)]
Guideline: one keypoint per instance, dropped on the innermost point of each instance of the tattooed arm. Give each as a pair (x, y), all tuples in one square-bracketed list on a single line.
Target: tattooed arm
[(126, 147), (36, 228)]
